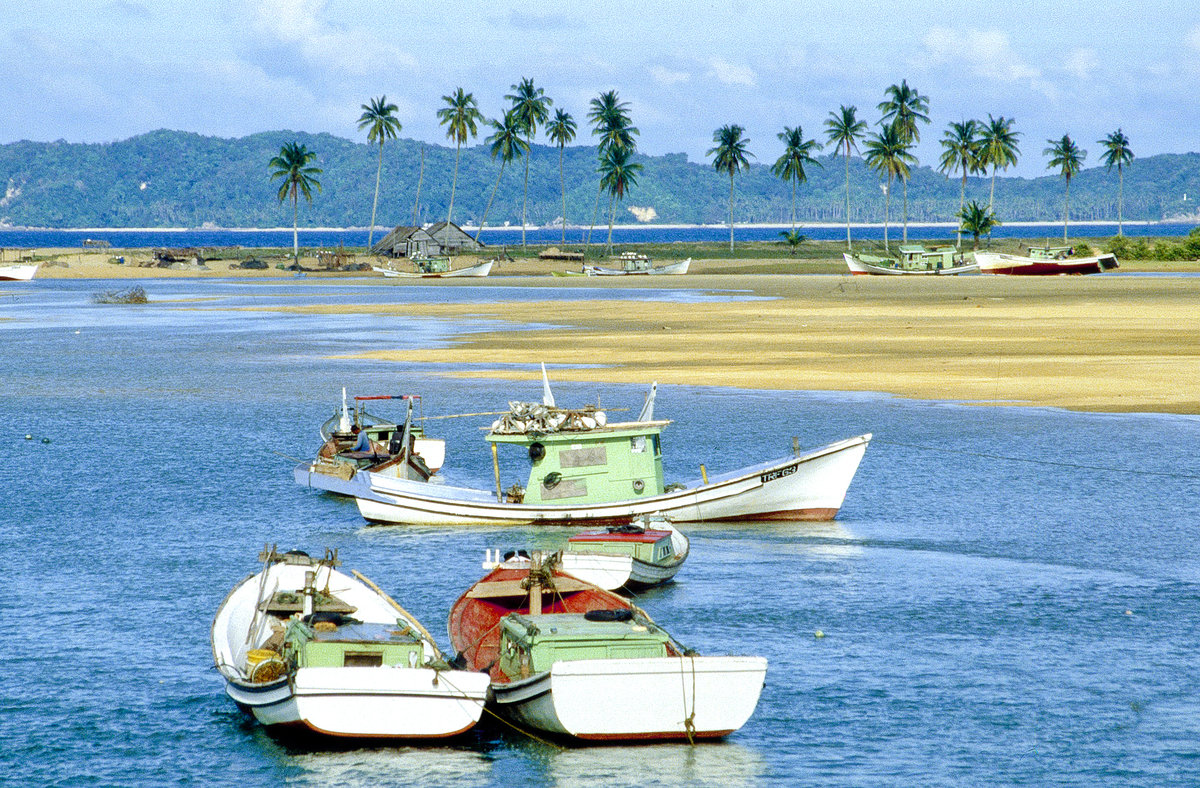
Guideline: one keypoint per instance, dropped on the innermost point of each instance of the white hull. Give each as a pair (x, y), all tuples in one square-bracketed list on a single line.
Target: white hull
[(858, 267), (18, 273), (637, 699), (670, 269), (611, 572), (1012, 265), (809, 487), (479, 269)]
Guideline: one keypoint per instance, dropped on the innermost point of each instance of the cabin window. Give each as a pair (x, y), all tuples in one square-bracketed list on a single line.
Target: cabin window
[(638, 445), (358, 659), (583, 457)]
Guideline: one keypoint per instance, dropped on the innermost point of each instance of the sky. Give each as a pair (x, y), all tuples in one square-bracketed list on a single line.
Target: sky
[(85, 71)]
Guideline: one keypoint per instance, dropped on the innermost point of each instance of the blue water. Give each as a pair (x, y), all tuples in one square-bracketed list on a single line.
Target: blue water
[(1009, 595), (501, 236)]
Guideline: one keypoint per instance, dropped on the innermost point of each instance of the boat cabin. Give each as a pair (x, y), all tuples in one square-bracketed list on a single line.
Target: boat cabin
[(632, 262), (432, 265), (1048, 252), (600, 464), (531, 644), (343, 642), (644, 544), (918, 258)]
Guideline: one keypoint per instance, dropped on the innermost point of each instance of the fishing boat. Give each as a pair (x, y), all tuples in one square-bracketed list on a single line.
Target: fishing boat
[(579, 662), (585, 470), (634, 264), (353, 440), (18, 272), (304, 647), (914, 260), (435, 268), (1045, 261)]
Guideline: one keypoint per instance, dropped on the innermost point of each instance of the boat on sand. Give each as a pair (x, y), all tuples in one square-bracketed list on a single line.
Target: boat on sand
[(1045, 261), (435, 268), (578, 662), (913, 261), (304, 647), (18, 272), (634, 264)]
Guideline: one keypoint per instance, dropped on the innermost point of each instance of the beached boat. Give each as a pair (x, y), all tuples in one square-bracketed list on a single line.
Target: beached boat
[(18, 272), (573, 660), (1045, 261), (587, 471), (914, 260), (305, 647), (353, 440), (633, 264), (435, 268)]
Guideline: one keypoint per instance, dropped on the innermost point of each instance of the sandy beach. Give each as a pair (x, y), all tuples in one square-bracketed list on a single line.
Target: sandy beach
[(1099, 343)]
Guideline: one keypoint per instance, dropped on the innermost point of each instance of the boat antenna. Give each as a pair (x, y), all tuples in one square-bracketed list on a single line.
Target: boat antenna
[(547, 395), (647, 413)]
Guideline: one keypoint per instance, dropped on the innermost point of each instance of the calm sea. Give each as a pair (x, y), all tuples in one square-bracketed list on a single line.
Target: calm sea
[(507, 236), (1008, 597)]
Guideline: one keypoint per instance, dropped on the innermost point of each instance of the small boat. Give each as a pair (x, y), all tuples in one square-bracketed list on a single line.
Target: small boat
[(353, 440), (634, 556), (435, 268), (576, 661), (913, 260), (633, 264), (18, 272), (302, 646), (1045, 261), (587, 471)]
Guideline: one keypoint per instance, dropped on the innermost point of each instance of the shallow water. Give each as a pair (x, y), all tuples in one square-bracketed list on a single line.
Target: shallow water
[(1008, 596)]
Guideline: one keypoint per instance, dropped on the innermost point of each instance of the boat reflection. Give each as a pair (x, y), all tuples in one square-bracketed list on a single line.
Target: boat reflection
[(374, 767), (723, 763)]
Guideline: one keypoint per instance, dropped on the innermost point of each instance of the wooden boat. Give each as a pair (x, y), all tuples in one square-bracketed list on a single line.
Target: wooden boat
[(634, 556), (913, 260), (302, 646), (634, 264), (573, 660), (586, 471), (435, 268), (18, 272), (1045, 261), (353, 440)]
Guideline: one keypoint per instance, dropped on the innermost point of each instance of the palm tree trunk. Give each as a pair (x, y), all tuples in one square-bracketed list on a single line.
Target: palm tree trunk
[(848, 196), (595, 213), (962, 201), (1120, 199), (992, 196), (489, 205), (295, 226), (375, 203), (525, 199), (793, 206), (454, 182), (887, 208), (731, 212), (420, 177), (562, 182), (905, 181), (1066, 210), (612, 215)]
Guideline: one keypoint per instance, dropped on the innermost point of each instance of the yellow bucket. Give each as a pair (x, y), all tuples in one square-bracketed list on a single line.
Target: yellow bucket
[(257, 655)]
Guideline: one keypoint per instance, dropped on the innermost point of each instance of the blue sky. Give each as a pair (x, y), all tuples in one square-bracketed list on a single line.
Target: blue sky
[(101, 71)]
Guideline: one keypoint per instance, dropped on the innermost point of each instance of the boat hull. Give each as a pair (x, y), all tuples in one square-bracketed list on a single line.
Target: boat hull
[(1011, 265), (18, 273), (861, 268), (809, 487), (644, 699), (480, 269), (676, 269)]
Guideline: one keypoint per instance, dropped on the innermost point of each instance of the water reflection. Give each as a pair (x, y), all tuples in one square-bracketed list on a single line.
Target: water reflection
[(725, 764), (409, 765)]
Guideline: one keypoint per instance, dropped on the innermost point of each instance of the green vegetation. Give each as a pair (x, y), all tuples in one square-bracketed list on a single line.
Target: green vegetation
[(379, 119), (730, 156), (1068, 158), (294, 166), (506, 143), (797, 152), (1117, 152), (976, 220), (843, 130), (532, 106)]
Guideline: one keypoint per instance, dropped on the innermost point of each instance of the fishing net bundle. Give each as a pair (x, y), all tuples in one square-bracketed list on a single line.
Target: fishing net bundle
[(533, 417)]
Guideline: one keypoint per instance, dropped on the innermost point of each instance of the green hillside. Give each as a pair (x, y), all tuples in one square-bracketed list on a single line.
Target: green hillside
[(174, 178)]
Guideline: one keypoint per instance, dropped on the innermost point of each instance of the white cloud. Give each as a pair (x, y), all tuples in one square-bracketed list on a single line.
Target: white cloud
[(986, 53), (355, 52), (667, 77), (1082, 63), (1193, 38), (731, 73)]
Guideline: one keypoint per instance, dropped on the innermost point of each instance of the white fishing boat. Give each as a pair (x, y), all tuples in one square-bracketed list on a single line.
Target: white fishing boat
[(353, 440), (634, 264), (914, 261), (572, 660), (435, 268), (18, 272), (305, 647), (1045, 261)]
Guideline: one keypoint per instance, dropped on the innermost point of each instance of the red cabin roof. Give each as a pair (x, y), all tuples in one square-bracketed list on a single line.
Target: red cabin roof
[(606, 536)]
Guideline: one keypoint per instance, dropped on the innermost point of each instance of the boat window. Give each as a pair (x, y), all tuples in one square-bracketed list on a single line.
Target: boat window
[(353, 659), (639, 445)]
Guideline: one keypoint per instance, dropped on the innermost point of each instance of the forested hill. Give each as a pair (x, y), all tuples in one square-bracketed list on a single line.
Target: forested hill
[(180, 179)]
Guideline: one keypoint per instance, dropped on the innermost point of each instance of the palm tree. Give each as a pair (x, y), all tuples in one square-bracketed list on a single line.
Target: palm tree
[(461, 118), (729, 156), (976, 220), (506, 143), (790, 166), (1117, 152), (532, 106), (610, 122), (843, 130), (561, 130), (793, 239), (380, 121), (1068, 158), (293, 165), (888, 155), (617, 174), (904, 109), (998, 148), (960, 151)]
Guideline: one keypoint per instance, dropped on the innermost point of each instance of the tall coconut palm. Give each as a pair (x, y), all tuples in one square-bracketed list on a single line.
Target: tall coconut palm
[(618, 173), (905, 108), (797, 152), (506, 143), (960, 151), (379, 119), (610, 122), (843, 130), (1068, 158), (1117, 153), (976, 220), (730, 156), (293, 165), (888, 154), (461, 117), (532, 106), (998, 148), (561, 130)]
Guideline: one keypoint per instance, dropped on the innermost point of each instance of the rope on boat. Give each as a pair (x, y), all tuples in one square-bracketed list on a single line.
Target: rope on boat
[(689, 721), (1035, 461), (412, 620), (509, 723)]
